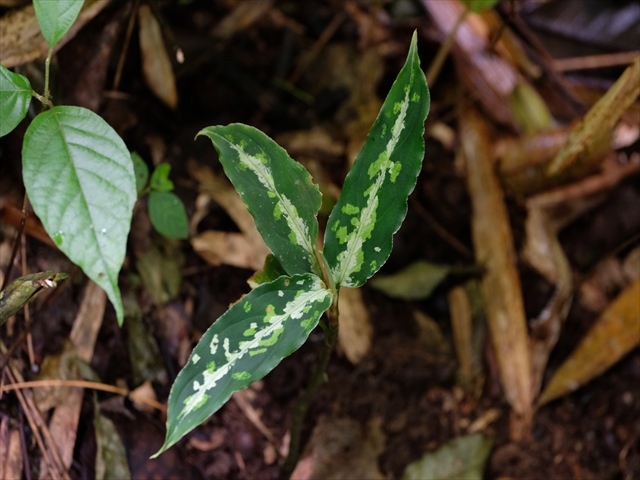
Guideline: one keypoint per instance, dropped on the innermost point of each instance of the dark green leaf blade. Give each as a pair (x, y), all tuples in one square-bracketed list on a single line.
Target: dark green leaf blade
[(15, 97), (79, 177), (141, 171), (373, 202), (278, 192), (160, 181), (168, 215), (242, 346)]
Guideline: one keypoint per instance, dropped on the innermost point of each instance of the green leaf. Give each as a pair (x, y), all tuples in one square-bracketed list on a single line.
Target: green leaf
[(373, 202), (271, 270), (242, 346), (415, 282), (111, 455), (15, 97), (462, 457), (478, 6), (278, 192), (141, 171), (168, 215), (56, 17), (160, 178), (79, 177)]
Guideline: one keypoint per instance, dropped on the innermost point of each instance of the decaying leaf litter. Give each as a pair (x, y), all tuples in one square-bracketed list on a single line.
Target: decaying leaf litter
[(313, 78)]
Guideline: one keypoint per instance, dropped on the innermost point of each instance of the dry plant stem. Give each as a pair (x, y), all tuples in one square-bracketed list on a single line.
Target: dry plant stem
[(443, 51), (16, 243), (319, 377)]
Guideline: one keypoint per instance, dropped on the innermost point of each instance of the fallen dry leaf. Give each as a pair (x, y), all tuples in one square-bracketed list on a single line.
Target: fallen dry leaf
[(355, 331), (229, 248), (493, 243), (613, 335), (156, 65)]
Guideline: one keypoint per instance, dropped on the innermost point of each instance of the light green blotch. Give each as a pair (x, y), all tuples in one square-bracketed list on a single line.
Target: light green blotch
[(355, 221), (395, 171), (308, 323), (342, 234), (277, 211), (257, 351), (384, 129), (242, 166), (247, 307), (293, 238), (415, 97), (229, 138), (271, 340), (211, 367), (349, 209), (262, 157), (270, 313), (378, 165), (205, 398), (249, 332), (397, 107), (241, 376), (373, 266)]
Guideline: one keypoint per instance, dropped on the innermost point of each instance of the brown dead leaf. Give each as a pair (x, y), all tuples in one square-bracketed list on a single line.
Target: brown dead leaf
[(355, 332), (342, 448), (156, 65), (493, 243), (22, 41), (229, 248), (65, 418), (244, 15), (614, 334)]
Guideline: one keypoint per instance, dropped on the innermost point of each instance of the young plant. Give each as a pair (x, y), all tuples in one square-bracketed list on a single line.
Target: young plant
[(166, 210), (302, 282), (77, 171)]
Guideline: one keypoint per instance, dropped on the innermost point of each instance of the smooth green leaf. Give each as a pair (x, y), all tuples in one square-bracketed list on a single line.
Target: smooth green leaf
[(141, 171), (168, 215), (278, 192), (24, 289), (478, 6), (79, 177), (461, 458), (242, 346), (373, 202), (160, 178), (415, 282), (15, 97), (56, 17)]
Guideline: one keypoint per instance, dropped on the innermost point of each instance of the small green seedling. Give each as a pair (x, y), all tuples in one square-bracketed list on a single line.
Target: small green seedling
[(301, 282), (77, 171), (166, 210)]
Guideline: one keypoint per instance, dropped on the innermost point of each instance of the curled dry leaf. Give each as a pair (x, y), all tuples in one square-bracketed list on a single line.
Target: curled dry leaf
[(156, 64), (614, 334), (493, 243), (229, 248)]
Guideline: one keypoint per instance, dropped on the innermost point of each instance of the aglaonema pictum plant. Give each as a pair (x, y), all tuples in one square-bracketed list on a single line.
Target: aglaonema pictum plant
[(302, 282)]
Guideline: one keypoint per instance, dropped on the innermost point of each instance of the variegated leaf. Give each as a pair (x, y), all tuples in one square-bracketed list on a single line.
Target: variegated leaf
[(373, 202), (242, 346), (278, 192)]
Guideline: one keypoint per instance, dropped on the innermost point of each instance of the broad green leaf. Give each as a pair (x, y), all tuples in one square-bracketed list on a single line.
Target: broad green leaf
[(56, 17), (79, 177), (141, 171), (111, 455), (415, 282), (373, 202), (15, 96), (278, 192), (478, 6), (24, 289), (242, 346), (461, 458), (168, 215), (160, 178)]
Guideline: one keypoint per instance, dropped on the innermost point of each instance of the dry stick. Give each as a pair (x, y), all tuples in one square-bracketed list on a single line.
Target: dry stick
[(103, 387), (40, 431), (16, 242), (27, 309), (125, 47), (443, 51), (319, 377)]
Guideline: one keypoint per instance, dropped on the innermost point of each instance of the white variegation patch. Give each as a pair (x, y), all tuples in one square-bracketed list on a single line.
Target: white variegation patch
[(349, 261), (265, 335), (284, 207)]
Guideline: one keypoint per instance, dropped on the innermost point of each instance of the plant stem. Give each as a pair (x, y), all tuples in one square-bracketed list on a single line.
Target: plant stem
[(319, 378), (47, 94), (443, 51)]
